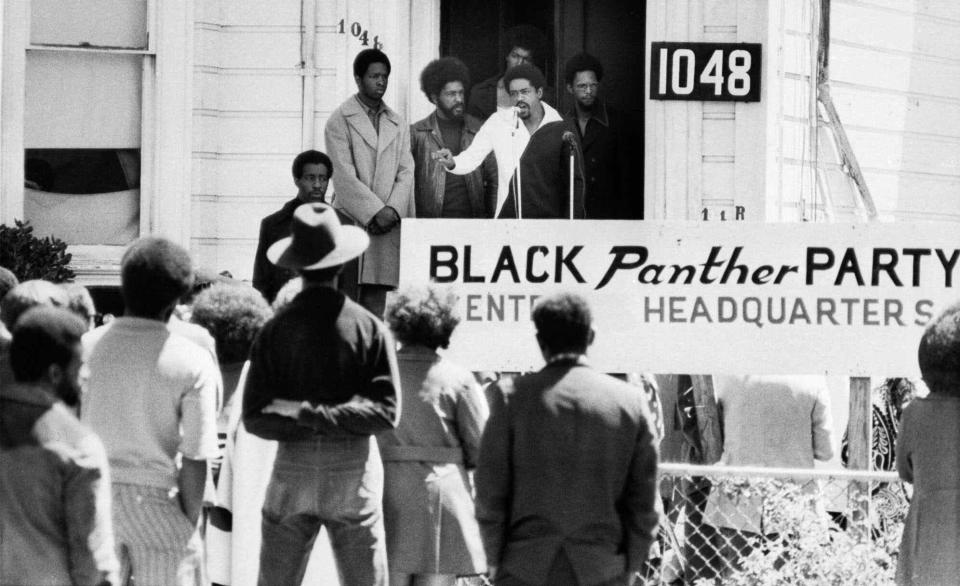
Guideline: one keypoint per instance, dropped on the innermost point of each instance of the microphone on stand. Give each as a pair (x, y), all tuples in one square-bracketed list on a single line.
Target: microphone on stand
[(571, 140), (515, 125)]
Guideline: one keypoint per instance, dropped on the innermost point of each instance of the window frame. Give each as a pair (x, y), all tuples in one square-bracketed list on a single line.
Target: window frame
[(165, 133)]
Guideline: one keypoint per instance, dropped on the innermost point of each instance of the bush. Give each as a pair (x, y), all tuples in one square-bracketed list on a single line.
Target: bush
[(809, 549), (30, 257)]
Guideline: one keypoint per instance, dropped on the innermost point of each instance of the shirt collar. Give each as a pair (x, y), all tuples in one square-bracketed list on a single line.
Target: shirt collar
[(380, 109), (568, 357), (599, 113)]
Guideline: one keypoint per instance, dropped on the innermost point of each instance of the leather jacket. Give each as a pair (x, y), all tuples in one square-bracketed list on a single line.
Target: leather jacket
[(430, 177)]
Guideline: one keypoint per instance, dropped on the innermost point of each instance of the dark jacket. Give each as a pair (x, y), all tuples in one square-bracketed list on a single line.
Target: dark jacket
[(430, 177), (567, 462), (612, 163), (483, 97), (545, 177), (269, 278), (329, 352)]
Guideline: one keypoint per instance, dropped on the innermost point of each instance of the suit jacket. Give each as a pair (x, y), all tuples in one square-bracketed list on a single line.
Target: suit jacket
[(372, 171), (545, 177), (268, 278), (613, 164), (430, 177), (567, 462)]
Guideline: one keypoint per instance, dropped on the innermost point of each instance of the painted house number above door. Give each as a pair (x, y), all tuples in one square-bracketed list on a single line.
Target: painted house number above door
[(720, 72)]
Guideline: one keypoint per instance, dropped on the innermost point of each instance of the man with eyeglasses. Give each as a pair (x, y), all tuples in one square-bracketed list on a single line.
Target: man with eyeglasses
[(525, 44), (609, 142), (507, 132), (437, 194), (311, 175)]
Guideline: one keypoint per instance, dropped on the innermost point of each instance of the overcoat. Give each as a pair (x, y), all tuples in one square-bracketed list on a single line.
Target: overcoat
[(428, 508), (371, 170), (927, 458)]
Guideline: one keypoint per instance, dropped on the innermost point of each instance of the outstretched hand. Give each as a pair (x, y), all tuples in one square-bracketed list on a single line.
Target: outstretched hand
[(445, 157)]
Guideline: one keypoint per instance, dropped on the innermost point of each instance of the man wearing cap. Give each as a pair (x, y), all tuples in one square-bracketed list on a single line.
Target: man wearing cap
[(322, 380), (55, 522)]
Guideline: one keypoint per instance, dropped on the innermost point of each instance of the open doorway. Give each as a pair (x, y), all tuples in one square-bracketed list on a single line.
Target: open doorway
[(611, 30)]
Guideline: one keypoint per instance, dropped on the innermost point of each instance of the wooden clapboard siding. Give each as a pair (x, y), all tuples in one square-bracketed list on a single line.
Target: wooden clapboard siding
[(249, 113), (247, 124), (895, 80), (705, 154)]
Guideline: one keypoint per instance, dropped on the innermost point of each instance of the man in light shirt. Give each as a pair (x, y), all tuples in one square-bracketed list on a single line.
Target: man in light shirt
[(507, 132)]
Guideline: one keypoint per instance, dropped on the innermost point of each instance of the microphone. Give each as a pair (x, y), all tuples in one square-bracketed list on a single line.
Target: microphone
[(515, 125), (569, 138)]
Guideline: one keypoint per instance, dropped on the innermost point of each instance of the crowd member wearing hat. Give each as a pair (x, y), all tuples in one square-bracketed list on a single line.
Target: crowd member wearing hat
[(152, 398), (54, 479), (322, 381)]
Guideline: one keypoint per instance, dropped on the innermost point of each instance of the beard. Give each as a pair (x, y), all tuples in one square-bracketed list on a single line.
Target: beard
[(455, 113)]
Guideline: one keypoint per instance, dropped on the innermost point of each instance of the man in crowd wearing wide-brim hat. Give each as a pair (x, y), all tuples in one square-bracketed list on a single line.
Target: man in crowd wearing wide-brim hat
[(322, 380)]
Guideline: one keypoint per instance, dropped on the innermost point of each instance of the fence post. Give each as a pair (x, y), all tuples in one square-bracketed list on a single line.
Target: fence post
[(860, 440), (708, 418)]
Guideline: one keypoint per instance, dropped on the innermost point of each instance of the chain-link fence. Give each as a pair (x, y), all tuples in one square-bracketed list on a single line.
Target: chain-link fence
[(727, 525)]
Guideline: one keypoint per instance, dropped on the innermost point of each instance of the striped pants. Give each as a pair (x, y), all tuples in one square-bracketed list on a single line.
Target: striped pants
[(156, 544)]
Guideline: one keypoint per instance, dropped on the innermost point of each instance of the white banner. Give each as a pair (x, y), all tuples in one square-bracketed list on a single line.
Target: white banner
[(841, 299)]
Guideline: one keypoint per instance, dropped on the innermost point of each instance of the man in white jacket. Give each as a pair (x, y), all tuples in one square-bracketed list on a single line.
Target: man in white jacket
[(508, 131)]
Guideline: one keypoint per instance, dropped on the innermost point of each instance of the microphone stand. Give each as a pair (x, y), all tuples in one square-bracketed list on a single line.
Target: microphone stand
[(571, 181), (516, 165)]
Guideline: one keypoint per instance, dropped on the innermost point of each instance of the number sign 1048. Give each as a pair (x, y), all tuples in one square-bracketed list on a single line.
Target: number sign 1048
[(705, 71)]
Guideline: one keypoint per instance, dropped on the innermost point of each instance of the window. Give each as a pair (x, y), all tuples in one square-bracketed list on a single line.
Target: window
[(83, 87)]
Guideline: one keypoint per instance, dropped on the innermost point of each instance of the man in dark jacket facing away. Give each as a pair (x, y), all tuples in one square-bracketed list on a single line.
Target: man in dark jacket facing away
[(439, 194), (322, 380), (566, 481)]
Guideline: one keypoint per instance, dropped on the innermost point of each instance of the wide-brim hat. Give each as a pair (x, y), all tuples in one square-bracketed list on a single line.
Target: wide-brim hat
[(318, 240)]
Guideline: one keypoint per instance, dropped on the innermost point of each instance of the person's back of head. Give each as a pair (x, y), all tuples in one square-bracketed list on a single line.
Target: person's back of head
[(233, 313), (45, 350), (155, 273), (939, 353), (81, 303), (423, 316), (564, 324), (30, 294), (8, 281)]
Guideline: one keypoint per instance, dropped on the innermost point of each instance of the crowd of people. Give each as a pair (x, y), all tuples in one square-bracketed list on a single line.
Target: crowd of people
[(224, 433)]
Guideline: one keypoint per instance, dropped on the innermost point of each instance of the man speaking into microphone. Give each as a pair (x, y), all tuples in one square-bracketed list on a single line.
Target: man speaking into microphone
[(507, 133), (551, 177)]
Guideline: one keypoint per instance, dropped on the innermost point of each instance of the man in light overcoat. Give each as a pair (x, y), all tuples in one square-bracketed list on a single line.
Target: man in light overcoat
[(369, 145)]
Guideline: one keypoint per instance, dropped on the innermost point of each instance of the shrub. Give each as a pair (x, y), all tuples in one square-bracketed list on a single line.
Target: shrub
[(809, 549), (30, 257)]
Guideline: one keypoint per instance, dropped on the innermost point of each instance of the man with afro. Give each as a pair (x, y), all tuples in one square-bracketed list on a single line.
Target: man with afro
[(439, 194)]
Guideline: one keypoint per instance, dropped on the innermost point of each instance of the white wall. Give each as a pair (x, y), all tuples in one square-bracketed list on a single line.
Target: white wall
[(895, 80), (250, 116), (705, 154)]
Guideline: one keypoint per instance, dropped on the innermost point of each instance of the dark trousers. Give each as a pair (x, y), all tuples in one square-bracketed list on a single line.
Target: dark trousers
[(561, 574)]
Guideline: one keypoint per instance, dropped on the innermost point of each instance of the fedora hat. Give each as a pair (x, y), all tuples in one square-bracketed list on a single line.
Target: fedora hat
[(317, 240)]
